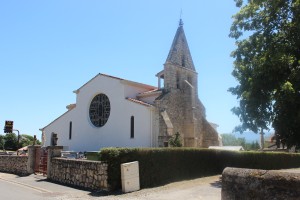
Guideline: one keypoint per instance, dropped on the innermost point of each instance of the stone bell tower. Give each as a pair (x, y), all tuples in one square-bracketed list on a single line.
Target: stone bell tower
[(179, 107)]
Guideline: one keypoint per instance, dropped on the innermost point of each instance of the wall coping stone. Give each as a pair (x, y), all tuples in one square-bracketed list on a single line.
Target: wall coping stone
[(239, 183)]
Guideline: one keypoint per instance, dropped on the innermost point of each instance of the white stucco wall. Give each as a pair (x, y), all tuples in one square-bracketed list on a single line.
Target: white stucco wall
[(60, 125), (131, 91), (116, 132)]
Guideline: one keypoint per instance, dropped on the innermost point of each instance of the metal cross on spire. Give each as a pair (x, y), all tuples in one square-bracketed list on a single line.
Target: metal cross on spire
[(180, 21)]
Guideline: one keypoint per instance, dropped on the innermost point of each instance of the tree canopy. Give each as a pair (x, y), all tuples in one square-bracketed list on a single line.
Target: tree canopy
[(26, 140), (2, 142), (267, 66), (9, 141), (231, 140)]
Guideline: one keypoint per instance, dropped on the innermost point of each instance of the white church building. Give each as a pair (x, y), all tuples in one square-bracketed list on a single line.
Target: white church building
[(114, 112)]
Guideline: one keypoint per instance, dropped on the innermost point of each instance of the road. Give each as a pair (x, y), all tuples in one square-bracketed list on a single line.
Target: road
[(36, 187), (207, 188), (11, 191)]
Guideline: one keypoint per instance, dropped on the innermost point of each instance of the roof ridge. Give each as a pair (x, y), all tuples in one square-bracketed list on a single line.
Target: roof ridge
[(139, 102)]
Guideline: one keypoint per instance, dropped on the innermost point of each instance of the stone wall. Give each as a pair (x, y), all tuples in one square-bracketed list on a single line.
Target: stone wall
[(249, 184), (14, 164), (91, 175), (186, 119), (209, 135)]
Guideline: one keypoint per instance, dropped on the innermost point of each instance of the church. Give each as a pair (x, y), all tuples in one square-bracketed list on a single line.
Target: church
[(114, 112)]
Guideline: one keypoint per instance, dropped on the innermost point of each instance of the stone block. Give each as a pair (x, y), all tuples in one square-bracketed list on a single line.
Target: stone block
[(249, 184), (130, 176), (130, 184), (129, 170)]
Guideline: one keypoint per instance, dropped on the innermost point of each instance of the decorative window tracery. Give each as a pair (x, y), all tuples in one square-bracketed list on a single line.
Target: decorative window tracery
[(99, 110)]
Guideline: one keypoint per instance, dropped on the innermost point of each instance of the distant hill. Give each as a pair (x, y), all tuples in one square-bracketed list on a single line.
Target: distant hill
[(252, 137)]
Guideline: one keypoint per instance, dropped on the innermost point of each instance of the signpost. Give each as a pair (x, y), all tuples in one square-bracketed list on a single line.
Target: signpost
[(8, 128)]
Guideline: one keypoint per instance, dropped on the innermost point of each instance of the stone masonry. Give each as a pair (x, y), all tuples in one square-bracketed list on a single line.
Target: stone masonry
[(179, 107), (91, 175), (250, 184), (14, 164)]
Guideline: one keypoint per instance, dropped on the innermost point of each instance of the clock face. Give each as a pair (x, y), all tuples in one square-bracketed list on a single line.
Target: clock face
[(99, 110)]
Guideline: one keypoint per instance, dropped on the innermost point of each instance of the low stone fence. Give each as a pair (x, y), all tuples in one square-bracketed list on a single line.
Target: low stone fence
[(14, 164), (249, 184), (91, 175)]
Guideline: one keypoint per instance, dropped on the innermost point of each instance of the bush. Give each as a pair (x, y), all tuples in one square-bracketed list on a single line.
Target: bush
[(175, 140), (92, 155), (159, 166), (258, 160)]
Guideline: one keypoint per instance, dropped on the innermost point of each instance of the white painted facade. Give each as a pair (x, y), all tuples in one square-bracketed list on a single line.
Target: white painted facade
[(116, 132), (158, 112)]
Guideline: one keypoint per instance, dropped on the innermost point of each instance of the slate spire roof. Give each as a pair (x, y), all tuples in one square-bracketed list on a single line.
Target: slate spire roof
[(180, 53)]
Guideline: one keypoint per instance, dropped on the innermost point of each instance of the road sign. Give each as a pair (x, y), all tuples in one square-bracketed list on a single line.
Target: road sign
[(8, 128)]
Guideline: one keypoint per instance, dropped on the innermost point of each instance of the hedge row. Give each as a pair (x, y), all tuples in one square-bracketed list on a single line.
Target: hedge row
[(159, 166)]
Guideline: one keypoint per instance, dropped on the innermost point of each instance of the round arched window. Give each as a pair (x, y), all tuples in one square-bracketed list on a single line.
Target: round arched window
[(99, 110)]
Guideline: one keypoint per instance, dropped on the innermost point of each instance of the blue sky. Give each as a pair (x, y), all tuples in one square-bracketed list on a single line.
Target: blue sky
[(50, 48)]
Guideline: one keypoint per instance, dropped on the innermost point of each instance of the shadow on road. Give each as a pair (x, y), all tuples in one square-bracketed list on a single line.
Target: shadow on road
[(217, 184)]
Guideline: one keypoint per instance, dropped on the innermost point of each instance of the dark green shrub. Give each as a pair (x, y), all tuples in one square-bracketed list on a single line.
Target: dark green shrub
[(175, 140), (92, 155), (159, 166), (258, 160)]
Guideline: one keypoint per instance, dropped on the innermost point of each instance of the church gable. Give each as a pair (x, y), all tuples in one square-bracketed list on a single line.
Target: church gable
[(114, 85), (104, 116), (112, 111)]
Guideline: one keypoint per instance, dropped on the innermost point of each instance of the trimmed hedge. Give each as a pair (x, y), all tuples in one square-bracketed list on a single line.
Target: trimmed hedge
[(258, 160), (92, 155), (159, 166)]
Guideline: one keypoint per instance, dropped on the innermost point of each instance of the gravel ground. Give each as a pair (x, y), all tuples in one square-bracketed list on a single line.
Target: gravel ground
[(201, 188)]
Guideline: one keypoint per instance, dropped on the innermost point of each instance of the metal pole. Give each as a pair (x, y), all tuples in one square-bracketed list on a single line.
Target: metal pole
[(18, 138)]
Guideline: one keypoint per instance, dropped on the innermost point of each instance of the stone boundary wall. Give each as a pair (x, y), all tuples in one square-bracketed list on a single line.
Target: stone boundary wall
[(91, 175), (14, 164), (249, 184)]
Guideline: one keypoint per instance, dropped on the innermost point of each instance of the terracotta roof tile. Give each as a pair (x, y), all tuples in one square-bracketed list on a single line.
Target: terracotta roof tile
[(150, 91), (139, 102)]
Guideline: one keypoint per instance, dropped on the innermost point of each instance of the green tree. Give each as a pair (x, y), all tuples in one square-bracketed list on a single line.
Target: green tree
[(11, 141), (26, 140), (2, 142), (175, 141), (267, 66), (231, 140), (252, 146)]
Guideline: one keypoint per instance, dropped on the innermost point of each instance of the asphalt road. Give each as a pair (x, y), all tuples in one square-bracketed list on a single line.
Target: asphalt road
[(11, 191), (36, 187)]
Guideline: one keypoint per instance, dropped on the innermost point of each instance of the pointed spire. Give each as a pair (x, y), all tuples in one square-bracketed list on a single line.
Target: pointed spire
[(180, 22), (180, 53)]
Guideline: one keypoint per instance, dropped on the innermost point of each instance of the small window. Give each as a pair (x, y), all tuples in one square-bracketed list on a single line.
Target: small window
[(70, 131), (132, 127), (183, 61)]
